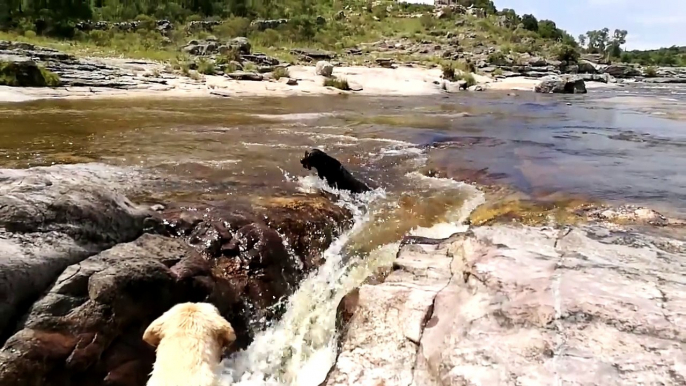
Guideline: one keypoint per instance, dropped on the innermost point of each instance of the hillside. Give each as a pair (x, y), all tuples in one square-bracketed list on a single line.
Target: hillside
[(158, 29)]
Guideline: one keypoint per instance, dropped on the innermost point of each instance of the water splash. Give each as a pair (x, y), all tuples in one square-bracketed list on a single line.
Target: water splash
[(300, 349)]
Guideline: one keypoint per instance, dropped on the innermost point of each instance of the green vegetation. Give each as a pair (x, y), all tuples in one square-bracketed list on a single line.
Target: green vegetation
[(206, 67), (280, 72), (651, 72), (672, 56), (55, 24), (338, 83), (26, 74), (469, 78)]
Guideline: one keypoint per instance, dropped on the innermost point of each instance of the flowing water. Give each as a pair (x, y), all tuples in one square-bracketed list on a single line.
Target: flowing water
[(623, 145)]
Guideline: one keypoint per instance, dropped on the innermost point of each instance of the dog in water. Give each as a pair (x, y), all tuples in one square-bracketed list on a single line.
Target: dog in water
[(189, 340), (331, 171)]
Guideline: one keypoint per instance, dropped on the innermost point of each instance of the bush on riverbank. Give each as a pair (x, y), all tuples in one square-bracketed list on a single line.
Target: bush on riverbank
[(340, 84), (26, 74)]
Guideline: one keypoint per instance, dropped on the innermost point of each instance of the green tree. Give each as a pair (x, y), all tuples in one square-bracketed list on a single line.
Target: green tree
[(616, 43), (530, 22), (547, 29)]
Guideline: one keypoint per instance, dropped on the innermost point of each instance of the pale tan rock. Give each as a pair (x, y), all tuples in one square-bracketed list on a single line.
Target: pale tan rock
[(523, 306)]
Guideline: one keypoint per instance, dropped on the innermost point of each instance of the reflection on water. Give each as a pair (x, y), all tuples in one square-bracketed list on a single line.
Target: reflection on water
[(601, 145), (238, 151)]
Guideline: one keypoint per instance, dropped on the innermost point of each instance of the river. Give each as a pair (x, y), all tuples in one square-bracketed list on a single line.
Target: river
[(624, 145)]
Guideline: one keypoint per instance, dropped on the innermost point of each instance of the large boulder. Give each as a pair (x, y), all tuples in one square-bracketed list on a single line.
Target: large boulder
[(521, 305), (622, 71), (564, 84), (242, 44), (20, 71), (587, 67), (53, 217), (87, 329), (324, 68)]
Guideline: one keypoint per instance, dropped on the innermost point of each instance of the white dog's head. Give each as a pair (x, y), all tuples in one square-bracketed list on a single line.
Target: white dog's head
[(190, 319)]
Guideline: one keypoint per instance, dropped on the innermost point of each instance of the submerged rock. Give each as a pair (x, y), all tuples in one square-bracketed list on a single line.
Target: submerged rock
[(521, 305)]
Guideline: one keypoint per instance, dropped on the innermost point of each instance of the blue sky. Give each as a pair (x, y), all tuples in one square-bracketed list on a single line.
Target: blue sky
[(651, 24)]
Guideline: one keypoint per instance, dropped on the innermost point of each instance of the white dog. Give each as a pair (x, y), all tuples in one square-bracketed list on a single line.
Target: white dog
[(190, 338)]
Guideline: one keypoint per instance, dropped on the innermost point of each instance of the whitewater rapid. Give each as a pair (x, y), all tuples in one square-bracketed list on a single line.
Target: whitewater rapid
[(299, 349)]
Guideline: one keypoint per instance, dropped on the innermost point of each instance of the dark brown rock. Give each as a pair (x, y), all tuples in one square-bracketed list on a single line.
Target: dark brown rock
[(87, 328)]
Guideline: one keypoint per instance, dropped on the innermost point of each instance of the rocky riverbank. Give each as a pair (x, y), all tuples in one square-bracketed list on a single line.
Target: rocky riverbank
[(508, 305), (85, 270), (255, 74)]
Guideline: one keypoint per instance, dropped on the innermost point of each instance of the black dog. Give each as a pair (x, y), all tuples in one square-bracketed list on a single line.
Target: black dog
[(331, 171)]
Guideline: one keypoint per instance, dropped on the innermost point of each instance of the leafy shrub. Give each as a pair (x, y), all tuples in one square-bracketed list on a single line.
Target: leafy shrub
[(498, 72), (497, 58), (566, 53), (206, 67), (448, 71), (651, 72), (468, 77), (281, 72), (26, 75), (30, 34)]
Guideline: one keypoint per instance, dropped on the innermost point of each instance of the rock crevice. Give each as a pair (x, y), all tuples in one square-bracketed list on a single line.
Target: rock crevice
[(522, 305)]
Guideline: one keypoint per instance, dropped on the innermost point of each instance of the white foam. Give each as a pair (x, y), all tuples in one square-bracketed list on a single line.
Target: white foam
[(300, 349)]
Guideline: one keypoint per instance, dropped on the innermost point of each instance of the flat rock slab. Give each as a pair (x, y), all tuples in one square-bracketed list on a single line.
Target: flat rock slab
[(523, 306)]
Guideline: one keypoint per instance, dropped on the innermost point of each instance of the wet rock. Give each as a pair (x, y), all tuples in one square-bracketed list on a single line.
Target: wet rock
[(498, 304), (87, 328), (628, 214), (289, 81), (565, 84), (324, 69), (52, 217)]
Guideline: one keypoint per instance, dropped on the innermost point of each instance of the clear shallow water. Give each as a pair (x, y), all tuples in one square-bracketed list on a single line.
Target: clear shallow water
[(627, 144)]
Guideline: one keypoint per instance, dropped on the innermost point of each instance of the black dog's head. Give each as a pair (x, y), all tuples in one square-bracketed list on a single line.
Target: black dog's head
[(314, 158)]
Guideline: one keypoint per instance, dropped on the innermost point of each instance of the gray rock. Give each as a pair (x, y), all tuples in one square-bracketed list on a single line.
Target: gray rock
[(508, 305), (452, 87), (313, 54), (324, 68), (243, 75), (622, 71), (262, 25), (587, 67), (52, 217), (242, 44), (565, 84)]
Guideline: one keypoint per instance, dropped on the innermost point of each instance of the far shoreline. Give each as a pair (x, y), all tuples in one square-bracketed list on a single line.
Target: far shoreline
[(155, 82)]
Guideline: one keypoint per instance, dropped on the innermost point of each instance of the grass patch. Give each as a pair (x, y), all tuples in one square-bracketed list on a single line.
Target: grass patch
[(26, 74), (206, 67), (651, 72), (468, 77), (281, 72), (498, 72), (338, 83)]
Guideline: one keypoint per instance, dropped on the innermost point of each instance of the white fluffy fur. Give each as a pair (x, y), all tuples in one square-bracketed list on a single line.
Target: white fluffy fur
[(189, 338)]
